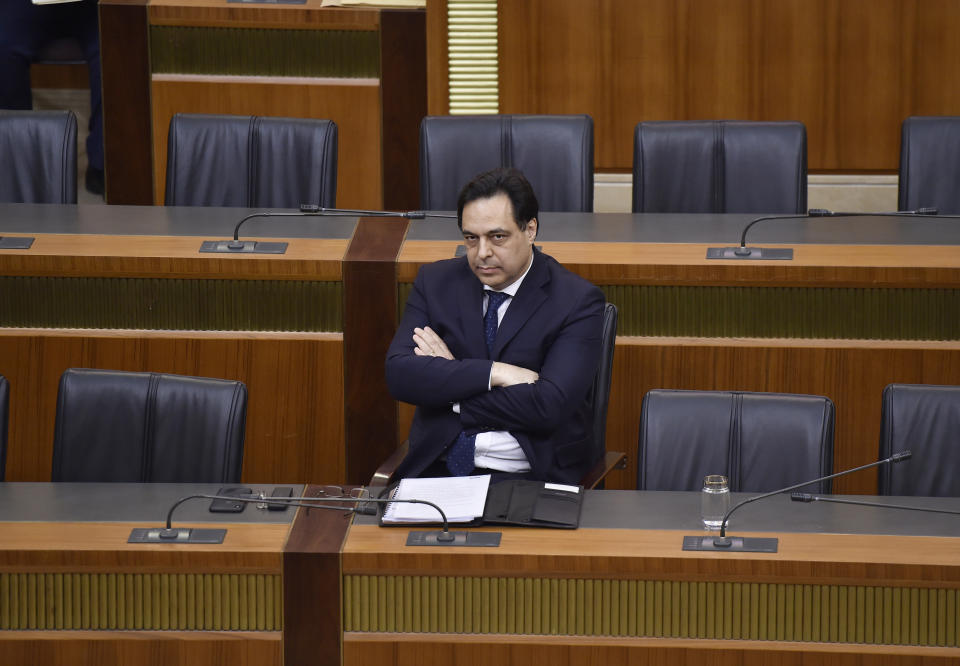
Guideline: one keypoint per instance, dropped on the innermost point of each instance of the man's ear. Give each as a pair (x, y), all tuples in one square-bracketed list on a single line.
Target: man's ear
[(531, 229)]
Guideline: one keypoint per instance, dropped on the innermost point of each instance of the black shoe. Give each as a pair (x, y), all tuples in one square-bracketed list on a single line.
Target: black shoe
[(94, 181)]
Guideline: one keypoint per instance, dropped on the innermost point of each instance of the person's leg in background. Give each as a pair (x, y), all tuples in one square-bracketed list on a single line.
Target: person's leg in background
[(20, 36), (86, 27), (24, 29)]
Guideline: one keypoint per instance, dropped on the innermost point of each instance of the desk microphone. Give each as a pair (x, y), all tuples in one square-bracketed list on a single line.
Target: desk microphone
[(810, 497), (191, 535), (766, 545), (306, 210), (744, 252)]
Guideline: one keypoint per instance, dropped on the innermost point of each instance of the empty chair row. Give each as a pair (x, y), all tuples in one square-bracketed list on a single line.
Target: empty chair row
[(678, 166), (765, 441), (115, 426)]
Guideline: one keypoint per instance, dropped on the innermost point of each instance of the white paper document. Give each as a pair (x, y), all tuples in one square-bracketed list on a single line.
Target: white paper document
[(462, 498)]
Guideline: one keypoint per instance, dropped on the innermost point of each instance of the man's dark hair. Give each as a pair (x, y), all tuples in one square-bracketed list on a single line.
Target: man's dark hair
[(511, 182)]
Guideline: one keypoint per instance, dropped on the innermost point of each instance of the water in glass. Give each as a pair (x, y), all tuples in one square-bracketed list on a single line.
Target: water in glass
[(714, 500)]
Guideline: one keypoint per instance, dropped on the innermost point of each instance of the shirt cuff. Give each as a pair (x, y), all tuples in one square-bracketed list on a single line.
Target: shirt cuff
[(456, 408)]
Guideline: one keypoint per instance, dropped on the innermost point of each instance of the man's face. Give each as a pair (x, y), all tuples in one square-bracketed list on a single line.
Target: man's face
[(498, 251)]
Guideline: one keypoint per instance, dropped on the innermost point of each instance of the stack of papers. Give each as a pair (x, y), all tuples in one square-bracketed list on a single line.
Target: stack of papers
[(462, 498)]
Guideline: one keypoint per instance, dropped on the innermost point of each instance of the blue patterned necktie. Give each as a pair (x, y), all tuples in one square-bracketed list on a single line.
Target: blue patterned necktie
[(461, 454)]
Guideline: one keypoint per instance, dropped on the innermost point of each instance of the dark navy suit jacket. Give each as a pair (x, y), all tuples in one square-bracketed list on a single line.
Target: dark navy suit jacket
[(552, 326)]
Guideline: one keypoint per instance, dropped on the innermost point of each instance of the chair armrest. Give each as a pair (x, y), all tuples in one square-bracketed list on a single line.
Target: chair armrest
[(388, 467), (611, 460)]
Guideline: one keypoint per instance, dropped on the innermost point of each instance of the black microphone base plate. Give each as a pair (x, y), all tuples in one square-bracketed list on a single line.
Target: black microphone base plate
[(468, 539), (243, 247), (713, 544), (15, 242), (747, 253), (175, 535)]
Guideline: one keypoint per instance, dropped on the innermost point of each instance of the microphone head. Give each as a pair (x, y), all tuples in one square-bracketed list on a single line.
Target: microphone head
[(819, 212), (801, 497), (901, 456), (928, 211)]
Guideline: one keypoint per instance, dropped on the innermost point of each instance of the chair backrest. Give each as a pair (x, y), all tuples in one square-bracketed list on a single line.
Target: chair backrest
[(925, 420), (760, 441), (251, 162), (599, 396), (142, 426), (720, 166), (4, 422), (555, 153), (39, 149), (930, 164)]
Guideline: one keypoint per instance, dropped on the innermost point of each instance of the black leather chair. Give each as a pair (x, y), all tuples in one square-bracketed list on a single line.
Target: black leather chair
[(4, 422), (930, 164), (555, 153), (720, 166), (251, 161), (148, 427), (598, 399), (760, 441), (39, 149), (925, 420)]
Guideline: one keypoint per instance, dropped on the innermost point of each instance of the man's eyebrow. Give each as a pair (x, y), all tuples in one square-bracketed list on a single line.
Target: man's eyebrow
[(498, 230)]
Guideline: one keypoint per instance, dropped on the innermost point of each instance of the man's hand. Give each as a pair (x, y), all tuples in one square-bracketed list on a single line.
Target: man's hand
[(505, 374), (430, 344)]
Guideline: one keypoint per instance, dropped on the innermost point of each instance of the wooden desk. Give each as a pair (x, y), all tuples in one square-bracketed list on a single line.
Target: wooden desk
[(72, 591), (608, 594), (364, 68), (126, 288)]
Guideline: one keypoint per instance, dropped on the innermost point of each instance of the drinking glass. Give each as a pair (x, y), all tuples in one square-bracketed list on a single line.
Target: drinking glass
[(714, 500)]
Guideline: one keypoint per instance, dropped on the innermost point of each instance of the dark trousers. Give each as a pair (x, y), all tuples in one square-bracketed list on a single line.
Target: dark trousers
[(25, 29)]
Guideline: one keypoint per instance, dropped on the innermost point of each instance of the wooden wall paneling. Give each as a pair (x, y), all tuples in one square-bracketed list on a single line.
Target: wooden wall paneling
[(438, 88), (440, 650), (851, 70), (294, 410), (123, 648), (311, 583), (125, 65), (370, 320), (214, 13), (852, 373), (355, 107), (403, 90)]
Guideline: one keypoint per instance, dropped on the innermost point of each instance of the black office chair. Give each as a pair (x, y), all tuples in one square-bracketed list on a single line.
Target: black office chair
[(251, 162), (39, 149), (925, 420), (598, 398), (760, 441), (555, 153), (148, 427), (4, 422), (720, 166), (930, 164)]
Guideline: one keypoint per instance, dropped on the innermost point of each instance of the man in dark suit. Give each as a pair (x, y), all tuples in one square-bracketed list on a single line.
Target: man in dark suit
[(499, 390)]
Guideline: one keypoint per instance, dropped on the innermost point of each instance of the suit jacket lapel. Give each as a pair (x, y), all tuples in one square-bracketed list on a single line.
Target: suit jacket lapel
[(528, 300)]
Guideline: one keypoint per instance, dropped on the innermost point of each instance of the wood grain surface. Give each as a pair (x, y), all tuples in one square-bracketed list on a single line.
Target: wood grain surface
[(306, 16), (103, 548), (850, 70), (823, 559), (294, 408), (89, 255), (355, 109), (439, 650), (125, 648)]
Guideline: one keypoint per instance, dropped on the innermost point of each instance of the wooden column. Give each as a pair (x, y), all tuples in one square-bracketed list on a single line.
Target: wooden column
[(125, 66), (369, 322), (312, 625), (403, 90)]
